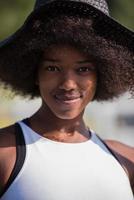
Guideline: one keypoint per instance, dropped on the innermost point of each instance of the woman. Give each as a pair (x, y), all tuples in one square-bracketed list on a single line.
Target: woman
[(69, 53)]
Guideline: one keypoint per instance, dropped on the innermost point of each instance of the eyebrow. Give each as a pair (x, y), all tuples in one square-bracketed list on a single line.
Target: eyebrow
[(85, 61), (50, 60), (79, 62)]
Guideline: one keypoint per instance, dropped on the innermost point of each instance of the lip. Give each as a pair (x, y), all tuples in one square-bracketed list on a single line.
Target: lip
[(67, 99)]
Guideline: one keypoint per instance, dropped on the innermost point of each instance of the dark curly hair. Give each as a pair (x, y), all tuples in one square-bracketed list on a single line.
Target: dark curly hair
[(115, 63)]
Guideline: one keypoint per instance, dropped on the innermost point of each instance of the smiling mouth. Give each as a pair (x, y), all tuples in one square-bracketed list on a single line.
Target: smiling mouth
[(67, 99)]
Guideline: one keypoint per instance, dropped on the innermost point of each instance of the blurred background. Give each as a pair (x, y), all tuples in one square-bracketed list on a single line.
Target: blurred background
[(113, 120)]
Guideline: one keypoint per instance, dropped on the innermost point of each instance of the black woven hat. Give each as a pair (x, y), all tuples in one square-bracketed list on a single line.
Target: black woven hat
[(105, 25)]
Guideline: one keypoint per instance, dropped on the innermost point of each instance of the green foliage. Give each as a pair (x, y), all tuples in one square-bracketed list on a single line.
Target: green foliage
[(123, 11), (13, 14)]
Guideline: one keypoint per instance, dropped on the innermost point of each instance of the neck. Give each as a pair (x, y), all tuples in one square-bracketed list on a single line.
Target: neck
[(48, 125)]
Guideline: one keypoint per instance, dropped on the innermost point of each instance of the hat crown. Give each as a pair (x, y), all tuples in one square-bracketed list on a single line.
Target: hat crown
[(99, 4)]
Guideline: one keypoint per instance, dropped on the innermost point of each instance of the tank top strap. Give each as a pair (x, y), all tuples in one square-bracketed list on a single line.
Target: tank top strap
[(20, 157)]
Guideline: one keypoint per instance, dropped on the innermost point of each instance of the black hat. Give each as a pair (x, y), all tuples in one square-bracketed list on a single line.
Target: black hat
[(98, 9), (21, 53)]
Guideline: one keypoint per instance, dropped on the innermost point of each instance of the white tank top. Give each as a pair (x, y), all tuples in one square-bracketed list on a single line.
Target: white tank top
[(68, 171)]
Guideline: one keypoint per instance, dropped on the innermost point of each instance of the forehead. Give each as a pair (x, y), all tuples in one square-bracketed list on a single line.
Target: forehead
[(64, 52)]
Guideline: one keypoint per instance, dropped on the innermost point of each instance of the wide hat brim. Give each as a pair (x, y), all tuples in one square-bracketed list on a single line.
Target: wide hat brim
[(104, 25)]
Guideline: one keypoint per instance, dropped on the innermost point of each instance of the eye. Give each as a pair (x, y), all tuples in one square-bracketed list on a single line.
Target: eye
[(52, 68), (85, 69)]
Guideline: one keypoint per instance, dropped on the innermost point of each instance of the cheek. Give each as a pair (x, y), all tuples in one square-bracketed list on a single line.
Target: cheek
[(45, 81), (47, 87), (90, 88), (44, 88), (48, 78), (44, 85)]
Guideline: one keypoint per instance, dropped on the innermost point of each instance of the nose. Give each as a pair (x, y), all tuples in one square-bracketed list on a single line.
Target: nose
[(68, 81)]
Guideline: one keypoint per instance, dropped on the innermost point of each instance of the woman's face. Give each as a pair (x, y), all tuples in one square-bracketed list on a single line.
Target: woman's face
[(67, 81)]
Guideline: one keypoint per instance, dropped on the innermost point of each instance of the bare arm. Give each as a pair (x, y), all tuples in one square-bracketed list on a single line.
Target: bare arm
[(125, 154), (7, 154)]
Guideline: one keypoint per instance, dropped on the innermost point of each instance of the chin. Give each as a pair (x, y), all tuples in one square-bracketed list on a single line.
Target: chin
[(67, 116)]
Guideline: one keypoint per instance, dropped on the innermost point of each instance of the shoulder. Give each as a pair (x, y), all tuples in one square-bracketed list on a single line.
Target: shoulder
[(122, 149), (7, 142), (7, 154), (7, 136), (125, 155)]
